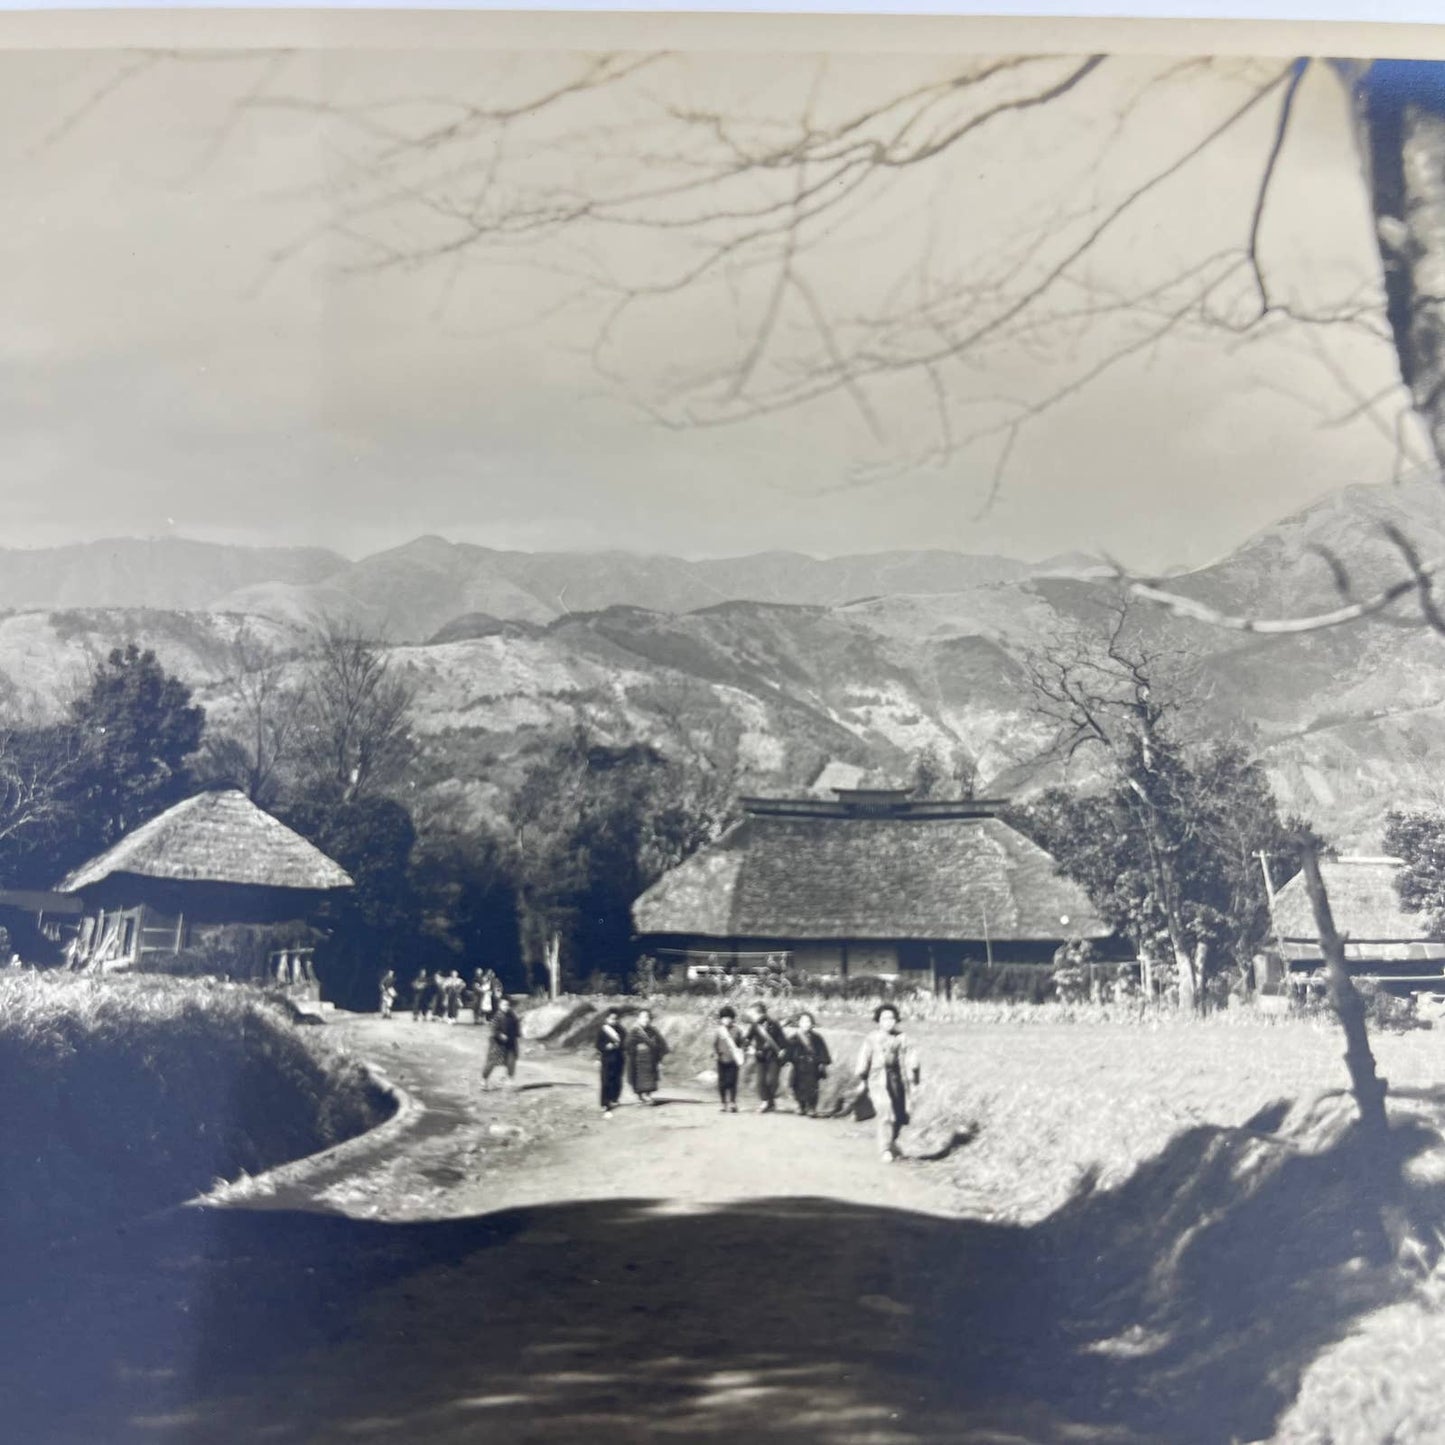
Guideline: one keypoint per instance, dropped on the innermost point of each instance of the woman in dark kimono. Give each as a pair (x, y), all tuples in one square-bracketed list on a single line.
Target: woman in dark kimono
[(611, 1058), (420, 988), (809, 1056), (646, 1049)]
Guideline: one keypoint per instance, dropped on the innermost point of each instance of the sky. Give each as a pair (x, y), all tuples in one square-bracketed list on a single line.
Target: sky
[(318, 298)]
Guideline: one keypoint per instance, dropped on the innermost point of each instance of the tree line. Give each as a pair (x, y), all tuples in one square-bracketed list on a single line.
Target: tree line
[(323, 737), (1164, 832)]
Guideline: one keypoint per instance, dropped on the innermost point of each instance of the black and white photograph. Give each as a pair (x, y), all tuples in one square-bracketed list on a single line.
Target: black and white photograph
[(721, 728)]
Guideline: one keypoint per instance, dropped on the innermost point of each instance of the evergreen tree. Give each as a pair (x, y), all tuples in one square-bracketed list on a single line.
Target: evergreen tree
[(1417, 836), (133, 734)]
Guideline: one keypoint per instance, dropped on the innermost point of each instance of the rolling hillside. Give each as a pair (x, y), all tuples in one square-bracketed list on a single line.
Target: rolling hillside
[(410, 593), (863, 664)]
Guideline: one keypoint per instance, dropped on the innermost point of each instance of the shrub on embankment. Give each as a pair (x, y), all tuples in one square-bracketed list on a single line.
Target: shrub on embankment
[(123, 1096)]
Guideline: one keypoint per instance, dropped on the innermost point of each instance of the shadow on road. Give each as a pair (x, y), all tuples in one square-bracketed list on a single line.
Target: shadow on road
[(957, 1139), (1181, 1307)]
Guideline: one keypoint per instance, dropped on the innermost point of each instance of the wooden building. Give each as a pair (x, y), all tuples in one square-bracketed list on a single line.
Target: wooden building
[(1383, 939), (36, 923), (869, 882), (213, 863)]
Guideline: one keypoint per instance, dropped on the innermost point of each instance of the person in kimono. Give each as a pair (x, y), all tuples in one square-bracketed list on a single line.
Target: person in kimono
[(808, 1054), (611, 1059), (387, 990), (454, 986), (503, 1043), (727, 1047), (481, 996), (889, 1071), (420, 987), (646, 1049), (494, 993), (766, 1045)]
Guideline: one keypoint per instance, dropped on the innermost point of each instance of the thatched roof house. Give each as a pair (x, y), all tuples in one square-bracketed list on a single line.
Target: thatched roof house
[(215, 859), (869, 882), (1376, 926)]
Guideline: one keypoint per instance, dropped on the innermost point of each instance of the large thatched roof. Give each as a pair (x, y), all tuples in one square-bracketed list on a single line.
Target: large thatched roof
[(810, 870), (1363, 900), (215, 838)]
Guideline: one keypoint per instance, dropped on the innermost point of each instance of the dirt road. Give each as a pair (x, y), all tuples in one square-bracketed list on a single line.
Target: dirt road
[(511, 1266)]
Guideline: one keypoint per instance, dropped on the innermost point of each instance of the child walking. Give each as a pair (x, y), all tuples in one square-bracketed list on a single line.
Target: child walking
[(766, 1043), (727, 1047), (503, 1044), (809, 1056)]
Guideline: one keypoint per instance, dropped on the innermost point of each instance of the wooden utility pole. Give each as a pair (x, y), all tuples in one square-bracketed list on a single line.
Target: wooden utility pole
[(554, 966)]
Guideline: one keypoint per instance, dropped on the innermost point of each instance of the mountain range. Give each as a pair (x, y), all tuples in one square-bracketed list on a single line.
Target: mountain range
[(786, 669), (409, 593)]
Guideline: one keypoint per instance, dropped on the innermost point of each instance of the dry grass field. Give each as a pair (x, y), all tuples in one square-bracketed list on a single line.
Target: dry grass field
[(1197, 1184), (1234, 1125)]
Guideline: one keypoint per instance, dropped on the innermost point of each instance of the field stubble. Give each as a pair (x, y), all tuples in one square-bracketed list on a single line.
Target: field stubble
[(1197, 1186)]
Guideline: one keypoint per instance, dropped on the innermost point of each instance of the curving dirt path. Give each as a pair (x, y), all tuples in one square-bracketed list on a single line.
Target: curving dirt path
[(510, 1266)]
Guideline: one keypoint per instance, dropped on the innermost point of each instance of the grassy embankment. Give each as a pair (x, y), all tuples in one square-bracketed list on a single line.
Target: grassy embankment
[(1196, 1184), (127, 1095)]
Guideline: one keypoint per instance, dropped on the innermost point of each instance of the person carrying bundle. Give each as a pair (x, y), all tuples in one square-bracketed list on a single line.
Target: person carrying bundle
[(889, 1071)]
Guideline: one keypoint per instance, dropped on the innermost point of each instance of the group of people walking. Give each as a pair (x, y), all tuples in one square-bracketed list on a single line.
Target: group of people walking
[(441, 995), (887, 1070), (770, 1047), (886, 1074), (636, 1052)]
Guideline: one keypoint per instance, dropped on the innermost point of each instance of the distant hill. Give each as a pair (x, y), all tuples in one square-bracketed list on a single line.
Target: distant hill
[(1283, 570), (845, 668), (163, 573), (415, 591)]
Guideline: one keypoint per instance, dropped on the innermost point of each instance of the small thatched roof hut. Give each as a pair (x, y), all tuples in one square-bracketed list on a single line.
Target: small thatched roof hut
[(214, 859), (871, 881), (1368, 914), (220, 837)]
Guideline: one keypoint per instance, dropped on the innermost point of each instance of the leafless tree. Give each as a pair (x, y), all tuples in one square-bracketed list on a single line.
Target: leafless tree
[(37, 770), (354, 736), (1109, 693), (647, 184), (253, 747)]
